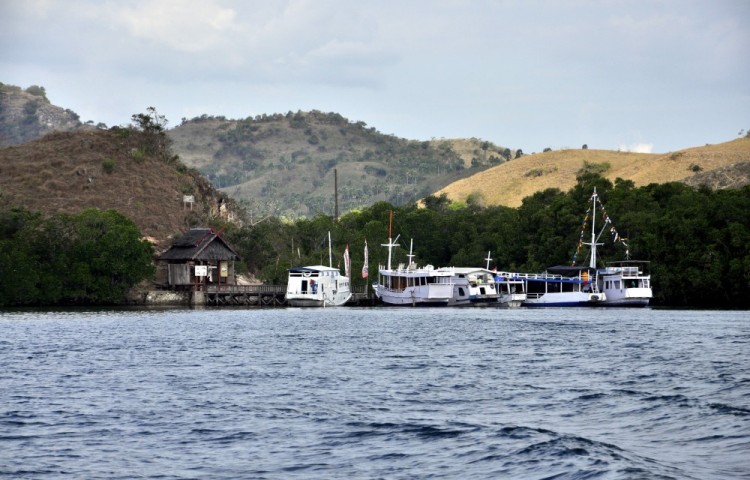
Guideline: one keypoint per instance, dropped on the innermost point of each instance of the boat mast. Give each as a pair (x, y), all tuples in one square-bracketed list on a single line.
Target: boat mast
[(391, 243), (488, 260), (411, 255), (330, 256), (592, 263)]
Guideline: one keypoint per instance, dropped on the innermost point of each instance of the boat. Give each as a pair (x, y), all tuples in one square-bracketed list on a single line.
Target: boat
[(618, 284), (473, 286), (511, 289), (318, 285), (626, 283), (410, 285), (562, 286), (461, 288)]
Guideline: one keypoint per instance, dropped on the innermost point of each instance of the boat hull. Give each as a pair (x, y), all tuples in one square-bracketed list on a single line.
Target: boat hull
[(566, 299), (433, 296)]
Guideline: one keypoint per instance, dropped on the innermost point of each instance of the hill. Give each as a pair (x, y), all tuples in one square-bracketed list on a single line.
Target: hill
[(717, 166), (26, 115), (285, 164), (71, 171)]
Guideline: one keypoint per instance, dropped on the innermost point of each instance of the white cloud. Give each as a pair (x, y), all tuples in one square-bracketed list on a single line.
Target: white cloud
[(637, 148), (188, 26)]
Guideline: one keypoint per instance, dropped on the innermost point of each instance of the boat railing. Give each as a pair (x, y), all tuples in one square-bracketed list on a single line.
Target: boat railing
[(532, 276), (250, 289)]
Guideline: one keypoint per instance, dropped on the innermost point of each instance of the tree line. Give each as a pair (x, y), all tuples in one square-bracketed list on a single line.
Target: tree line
[(90, 258), (697, 240)]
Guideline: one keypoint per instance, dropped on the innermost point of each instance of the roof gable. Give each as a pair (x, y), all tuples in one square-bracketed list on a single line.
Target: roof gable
[(200, 244)]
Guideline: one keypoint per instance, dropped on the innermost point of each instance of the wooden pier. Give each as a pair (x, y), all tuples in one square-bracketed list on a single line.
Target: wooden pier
[(261, 296)]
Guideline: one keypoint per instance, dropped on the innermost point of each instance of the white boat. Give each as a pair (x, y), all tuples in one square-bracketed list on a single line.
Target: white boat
[(511, 289), (473, 286), (619, 284), (562, 286), (317, 286), (626, 284), (410, 285)]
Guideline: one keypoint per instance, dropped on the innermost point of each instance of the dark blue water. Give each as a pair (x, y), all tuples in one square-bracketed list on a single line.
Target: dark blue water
[(375, 393)]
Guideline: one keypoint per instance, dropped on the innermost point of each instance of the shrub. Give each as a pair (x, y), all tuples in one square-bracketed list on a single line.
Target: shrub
[(595, 168), (108, 165), (137, 155)]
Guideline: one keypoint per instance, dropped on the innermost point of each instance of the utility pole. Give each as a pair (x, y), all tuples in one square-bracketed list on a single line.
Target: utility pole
[(336, 193)]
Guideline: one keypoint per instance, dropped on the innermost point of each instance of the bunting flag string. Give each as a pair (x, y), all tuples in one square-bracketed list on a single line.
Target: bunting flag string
[(616, 237)]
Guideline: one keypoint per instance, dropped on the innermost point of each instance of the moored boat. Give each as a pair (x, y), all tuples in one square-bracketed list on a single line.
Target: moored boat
[(562, 286), (472, 286), (317, 286), (410, 285), (619, 284), (511, 289), (626, 283)]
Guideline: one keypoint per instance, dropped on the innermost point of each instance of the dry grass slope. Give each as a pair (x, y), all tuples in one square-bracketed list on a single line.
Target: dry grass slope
[(69, 172), (507, 184)]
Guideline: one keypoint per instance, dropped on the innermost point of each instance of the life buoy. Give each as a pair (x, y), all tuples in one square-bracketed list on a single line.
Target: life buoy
[(306, 274)]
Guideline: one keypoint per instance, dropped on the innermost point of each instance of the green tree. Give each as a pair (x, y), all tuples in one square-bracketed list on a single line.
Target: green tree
[(152, 126), (93, 257)]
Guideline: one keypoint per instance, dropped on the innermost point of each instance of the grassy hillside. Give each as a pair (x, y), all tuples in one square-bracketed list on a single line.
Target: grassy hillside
[(71, 171), (509, 183), (285, 164)]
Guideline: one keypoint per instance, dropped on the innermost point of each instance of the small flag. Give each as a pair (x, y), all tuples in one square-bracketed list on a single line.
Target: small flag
[(365, 268), (347, 261)]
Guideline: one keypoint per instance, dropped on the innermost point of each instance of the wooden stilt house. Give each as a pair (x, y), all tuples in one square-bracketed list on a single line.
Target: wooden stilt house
[(198, 259)]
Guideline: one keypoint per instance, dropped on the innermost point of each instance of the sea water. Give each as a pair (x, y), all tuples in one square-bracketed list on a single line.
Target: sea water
[(375, 393)]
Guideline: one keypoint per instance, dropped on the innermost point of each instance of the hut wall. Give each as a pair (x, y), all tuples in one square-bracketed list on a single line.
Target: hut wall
[(179, 274)]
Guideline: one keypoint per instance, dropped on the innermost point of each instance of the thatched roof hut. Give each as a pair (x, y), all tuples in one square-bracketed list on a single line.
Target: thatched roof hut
[(200, 257)]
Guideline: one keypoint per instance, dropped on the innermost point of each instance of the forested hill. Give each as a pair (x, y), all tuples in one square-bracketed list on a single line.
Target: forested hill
[(285, 164), (724, 165)]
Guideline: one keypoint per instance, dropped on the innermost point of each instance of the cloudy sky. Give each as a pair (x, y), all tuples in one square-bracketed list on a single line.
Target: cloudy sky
[(645, 75)]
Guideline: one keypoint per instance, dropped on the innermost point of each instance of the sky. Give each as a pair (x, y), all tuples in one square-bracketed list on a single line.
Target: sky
[(637, 75)]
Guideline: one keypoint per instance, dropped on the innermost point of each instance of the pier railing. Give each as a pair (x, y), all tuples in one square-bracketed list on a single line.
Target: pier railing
[(266, 295)]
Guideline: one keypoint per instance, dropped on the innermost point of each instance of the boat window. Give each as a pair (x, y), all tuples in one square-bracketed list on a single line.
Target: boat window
[(461, 292), (617, 284)]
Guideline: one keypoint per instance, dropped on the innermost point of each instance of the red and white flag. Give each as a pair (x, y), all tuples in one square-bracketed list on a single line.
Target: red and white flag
[(365, 268), (347, 261)]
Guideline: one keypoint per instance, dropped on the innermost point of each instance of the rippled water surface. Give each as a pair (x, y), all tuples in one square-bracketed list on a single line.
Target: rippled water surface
[(375, 393)]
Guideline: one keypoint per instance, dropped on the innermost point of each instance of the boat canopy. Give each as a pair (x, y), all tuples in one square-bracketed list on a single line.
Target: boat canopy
[(315, 268), (568, 271)]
